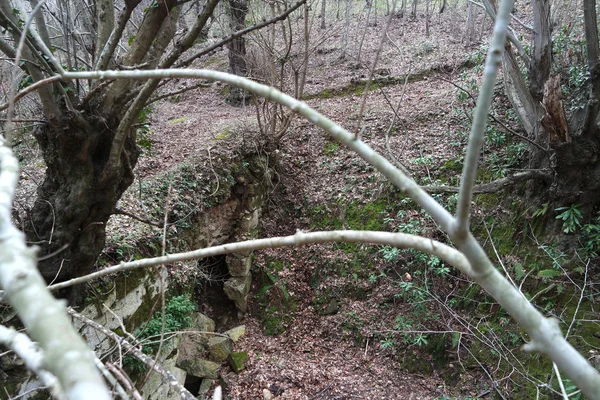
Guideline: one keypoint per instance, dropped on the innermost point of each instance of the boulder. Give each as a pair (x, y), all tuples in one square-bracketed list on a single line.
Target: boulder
[(237, 288), (203, 323), (238, 266), (235, 333), (201, 368), (236, 360), (219, 348)]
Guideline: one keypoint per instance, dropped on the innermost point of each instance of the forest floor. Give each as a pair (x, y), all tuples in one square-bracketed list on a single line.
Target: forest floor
[(353, 326), (355, 350)]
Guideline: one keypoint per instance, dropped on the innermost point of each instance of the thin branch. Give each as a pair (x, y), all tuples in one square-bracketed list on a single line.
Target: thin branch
[(176, 92), (13, 86), (116, 385), (119, 211), (32, 88), (373, 66), (493, 62), (399, 240), (495, 119)]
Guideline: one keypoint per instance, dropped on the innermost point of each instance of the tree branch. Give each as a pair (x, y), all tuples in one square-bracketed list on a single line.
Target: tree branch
[(33, 357), (176, 92), (400, 240), (111, 44), (496, 185), (493, 62)]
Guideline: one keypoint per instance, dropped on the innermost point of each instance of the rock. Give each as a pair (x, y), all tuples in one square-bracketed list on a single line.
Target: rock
[(205, 385), (267, 395), (203, 323), (219, 348), (156, 387), (201, 368), (235, 333), (241, 305), (236, 360), (237, 288), (238, 266)]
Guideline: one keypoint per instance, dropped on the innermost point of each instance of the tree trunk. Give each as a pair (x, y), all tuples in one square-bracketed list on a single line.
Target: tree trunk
[(237, 50), (346, 29), (362, 38), (402, 12), (78, 195), (572, 149), (539, 70)]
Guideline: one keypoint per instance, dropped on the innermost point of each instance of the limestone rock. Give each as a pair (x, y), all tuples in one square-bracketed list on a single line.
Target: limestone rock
[(235, 333), (237, 360), (267, 395), (238, 266), (156, 388), (205, 385), (219, 348), (237, 288), (201, 368), (203, 323)]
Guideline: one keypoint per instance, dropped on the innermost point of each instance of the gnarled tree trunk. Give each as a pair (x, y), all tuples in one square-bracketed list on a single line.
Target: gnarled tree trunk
[(570, 150)]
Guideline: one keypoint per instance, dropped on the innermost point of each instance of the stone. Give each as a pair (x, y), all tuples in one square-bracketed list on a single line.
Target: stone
[(236, 360), (241, 305), (201, 368), (205, 385), (238, 266), (156, 387), (237, 332), (267, 395), (219, 348), (250, 221), (237, 288), (203, 323)]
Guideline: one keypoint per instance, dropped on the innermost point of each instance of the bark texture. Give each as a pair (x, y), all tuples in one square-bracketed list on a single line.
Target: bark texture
[(78, 195), (237, 50)]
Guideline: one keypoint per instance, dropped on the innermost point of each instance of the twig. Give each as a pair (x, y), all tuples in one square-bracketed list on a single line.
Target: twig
[(124, 380), (560, 382), (119, 211), (580, 300), (239, 33), (176, 92), (111, 379)]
